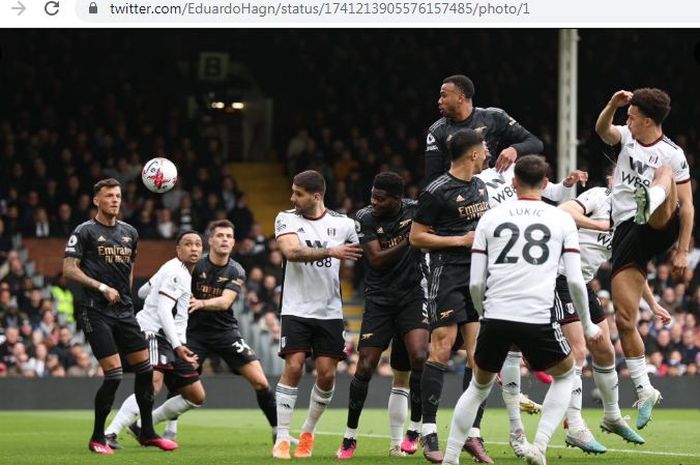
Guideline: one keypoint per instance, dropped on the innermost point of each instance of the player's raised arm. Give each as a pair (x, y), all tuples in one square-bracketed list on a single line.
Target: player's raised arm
[(604, 125), (578, 213)]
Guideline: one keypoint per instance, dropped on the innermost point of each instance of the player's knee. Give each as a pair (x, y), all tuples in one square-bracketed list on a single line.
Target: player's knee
[(625, 323), (418, 358), (326, 379), (578, 347), (197, 398), (364, 370)]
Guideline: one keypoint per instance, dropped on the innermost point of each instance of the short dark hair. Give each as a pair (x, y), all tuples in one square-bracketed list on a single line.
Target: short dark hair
[(461, 141), (311, 181), (654, 103), (530, 170), (463, 83), (220, 224), (390, 182), (109, 182), (185, 233)]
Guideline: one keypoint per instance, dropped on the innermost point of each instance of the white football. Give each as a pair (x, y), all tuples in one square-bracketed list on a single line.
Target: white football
[(159, 175)]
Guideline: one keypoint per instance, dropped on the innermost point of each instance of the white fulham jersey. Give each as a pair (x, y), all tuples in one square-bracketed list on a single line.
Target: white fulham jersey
[(312, 289), (596, 246), (501, 190), (175, 281), (523, 241), (637, 164)]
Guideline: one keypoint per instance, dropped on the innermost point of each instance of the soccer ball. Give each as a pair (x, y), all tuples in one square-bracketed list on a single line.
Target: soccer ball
[(159, 175)]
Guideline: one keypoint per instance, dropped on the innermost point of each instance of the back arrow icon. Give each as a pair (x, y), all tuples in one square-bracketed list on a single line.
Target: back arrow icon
[(20, 7)]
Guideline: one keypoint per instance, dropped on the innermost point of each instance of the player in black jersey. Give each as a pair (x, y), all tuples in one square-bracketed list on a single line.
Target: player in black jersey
[(503, 135), (100, 256), (394, 309), (213, 329), (448, 211)]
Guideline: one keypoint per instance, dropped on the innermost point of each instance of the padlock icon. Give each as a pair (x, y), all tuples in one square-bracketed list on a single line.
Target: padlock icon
[(92, 9)]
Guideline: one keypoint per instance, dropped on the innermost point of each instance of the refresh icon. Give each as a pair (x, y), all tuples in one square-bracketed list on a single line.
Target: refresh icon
[(51, 8)]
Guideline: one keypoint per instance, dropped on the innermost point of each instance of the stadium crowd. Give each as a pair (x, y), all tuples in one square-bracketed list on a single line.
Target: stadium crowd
[(57, 137)]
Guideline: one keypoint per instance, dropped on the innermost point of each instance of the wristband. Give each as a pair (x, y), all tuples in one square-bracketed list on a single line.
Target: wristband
[(102, 287)]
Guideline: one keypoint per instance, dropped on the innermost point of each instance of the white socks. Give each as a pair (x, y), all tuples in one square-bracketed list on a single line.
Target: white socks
[(606, 380), (128, 412), (172, 408), (554, 407), (573, 413), (463, 418), (398, 412), (286, 398), (657, 195), (317, 405), (510, 389), (637, 367)]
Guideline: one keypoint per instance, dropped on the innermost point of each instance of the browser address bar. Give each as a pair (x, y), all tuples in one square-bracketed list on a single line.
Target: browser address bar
[(337, 13)]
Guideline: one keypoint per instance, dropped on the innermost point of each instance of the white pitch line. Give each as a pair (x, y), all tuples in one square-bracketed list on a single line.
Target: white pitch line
[(624, 451)]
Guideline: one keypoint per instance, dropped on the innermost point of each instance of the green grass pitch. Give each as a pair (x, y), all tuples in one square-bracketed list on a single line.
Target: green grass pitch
[(210, 436)]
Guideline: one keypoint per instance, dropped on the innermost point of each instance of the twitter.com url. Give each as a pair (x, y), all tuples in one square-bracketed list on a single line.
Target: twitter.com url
[(491, 10)]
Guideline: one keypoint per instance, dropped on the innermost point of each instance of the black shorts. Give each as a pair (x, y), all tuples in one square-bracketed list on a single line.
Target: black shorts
[(110, 334), (229, 346), (634, 244), (320, 338), (381, 323), (564, 311), (543, 345), (177, 373), (399, 359), (448, 298)]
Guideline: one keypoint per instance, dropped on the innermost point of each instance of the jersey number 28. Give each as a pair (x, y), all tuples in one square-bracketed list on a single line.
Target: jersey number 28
[(530, 243)]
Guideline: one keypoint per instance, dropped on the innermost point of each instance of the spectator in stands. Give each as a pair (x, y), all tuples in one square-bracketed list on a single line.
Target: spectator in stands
[(242, 217), (173, 199), (7, 347), (256, 233), (64, 224), (64, 299), (255, 279), (63, 348), (83, 366), (15, 278), (246, 256), (188, 217), (39, 226), (47, 323), (166, 226), (229, 193), (37, 362), (31, 309)]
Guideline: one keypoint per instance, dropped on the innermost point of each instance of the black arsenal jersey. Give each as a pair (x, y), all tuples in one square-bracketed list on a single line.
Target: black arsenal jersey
[(499, 130), (209, 281), (452, 207), (107, 254), (402, 281)]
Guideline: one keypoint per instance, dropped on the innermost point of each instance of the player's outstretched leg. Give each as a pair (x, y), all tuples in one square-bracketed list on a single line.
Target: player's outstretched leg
[(464, 415), (605, 377)]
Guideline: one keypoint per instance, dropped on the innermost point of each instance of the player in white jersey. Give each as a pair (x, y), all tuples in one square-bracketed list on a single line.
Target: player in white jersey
[(500, 189), (313, 241), (500, 185), (164, 321), (591, 212), (652, 208), (515, 256)]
